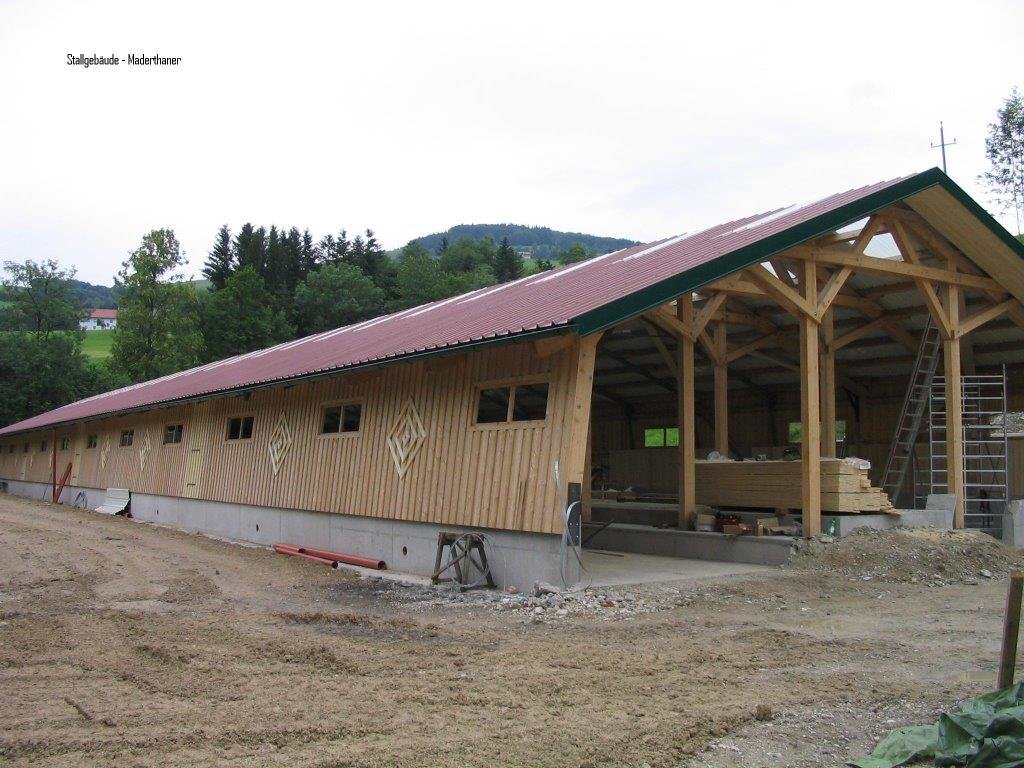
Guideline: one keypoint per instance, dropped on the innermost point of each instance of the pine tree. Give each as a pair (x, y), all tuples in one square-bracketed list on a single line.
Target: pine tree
[(221, 262), (507, 263), (251, 249)]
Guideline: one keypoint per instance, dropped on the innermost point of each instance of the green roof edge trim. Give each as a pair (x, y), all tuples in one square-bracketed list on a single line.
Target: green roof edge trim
[(648, 298)]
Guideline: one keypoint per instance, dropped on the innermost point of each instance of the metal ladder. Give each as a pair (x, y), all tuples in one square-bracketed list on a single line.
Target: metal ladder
[(908, 427)]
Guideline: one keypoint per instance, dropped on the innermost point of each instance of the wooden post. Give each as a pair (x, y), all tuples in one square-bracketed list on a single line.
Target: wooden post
[(810, 446), (954, 405), (721, 390), (588, 492), (53, 463), (687, 439), (580, 430), (828, 388), (1011, 629)]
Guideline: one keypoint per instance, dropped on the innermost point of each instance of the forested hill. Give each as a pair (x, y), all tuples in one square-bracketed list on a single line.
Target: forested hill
[(539, 242), (90, 296)]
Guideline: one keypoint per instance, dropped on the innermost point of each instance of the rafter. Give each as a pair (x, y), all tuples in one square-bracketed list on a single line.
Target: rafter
[(708, 311), (938, 312), (833, 286), (858, 333)]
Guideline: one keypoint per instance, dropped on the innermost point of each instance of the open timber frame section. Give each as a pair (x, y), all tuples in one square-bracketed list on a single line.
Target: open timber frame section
[(806, 282)]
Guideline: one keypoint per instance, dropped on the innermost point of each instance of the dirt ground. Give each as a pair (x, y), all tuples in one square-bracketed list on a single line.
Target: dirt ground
[(127, 644)]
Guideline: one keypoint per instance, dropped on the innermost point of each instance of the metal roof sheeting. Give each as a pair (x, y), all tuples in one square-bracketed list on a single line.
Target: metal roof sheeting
[(538, 303)]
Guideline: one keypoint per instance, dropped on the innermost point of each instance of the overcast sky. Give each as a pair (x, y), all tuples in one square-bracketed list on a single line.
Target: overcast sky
[(635, 119)]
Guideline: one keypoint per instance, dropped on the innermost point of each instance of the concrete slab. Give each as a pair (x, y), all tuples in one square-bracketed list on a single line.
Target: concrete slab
[(607, 569)]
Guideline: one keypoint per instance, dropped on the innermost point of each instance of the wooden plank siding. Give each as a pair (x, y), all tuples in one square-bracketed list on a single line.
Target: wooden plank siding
[(493, 476)]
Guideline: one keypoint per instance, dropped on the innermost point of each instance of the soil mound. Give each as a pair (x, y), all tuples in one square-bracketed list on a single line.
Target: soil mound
[(909, 555)]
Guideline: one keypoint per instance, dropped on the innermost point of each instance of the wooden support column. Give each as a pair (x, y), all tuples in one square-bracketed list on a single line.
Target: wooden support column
[(828, 388), (810, 447), (53, 463), (954, 403), (721, 390), (686, 411), (579, 440)]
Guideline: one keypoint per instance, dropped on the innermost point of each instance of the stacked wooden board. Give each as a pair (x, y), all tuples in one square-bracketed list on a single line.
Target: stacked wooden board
[(845, 486)]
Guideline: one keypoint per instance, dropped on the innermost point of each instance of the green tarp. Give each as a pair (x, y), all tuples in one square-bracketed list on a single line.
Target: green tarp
[(986, 732)]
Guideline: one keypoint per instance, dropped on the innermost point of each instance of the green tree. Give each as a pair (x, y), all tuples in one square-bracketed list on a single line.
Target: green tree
[(574, 253), (508, 265), (41, 298), (157, 320), (421, 279), (251, 248), (468, 255), (41, 372), (333, 296), (220, 264), (241, 317), (1004, 148)]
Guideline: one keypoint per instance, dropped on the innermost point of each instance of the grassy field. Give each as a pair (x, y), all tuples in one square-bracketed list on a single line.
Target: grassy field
[(96, 344)]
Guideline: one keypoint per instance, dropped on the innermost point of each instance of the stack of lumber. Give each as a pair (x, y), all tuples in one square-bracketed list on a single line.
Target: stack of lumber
[(845, 486)]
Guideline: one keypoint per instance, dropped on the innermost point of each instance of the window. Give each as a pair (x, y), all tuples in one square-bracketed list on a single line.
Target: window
[(493, 405), (661, 437), (65, 442), (25, 449), (10, 448), (92, 441), (519, 402), (240, 428), (43, 445), (127, 438), (530, 402), (796, 431), (173, 433), (342, 419)]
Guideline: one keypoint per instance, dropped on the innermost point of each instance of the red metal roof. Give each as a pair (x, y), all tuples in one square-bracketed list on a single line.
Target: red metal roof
[(103, 314), (548, 300)]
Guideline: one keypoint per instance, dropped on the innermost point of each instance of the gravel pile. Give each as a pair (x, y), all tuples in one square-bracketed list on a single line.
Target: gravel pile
[(544, 604), (909, 555)]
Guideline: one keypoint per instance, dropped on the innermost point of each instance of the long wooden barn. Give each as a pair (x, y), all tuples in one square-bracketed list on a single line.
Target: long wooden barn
[(792, 332)]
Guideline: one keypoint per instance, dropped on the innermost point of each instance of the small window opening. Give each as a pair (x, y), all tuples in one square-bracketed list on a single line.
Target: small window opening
[(240, 428)]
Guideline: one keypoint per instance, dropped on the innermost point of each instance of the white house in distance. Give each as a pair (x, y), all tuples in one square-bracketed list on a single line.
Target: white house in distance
[(99, 320)]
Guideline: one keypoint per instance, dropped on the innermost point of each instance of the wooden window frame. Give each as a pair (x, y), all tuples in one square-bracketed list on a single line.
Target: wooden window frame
[(512, 384), (131, 438), (92, 441), (238, 440), (180, 426), (360, 401)]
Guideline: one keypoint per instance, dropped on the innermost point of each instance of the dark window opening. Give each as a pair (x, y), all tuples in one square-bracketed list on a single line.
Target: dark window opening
[(43, 445), (173, 433), (127, 438), (240, 428), (493, 405), (93, 441), (531, 402), (25, 449), (65, 443), (342, 419)]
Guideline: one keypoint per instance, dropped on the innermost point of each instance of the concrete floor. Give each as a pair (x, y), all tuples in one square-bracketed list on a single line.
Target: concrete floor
[(605, 569)]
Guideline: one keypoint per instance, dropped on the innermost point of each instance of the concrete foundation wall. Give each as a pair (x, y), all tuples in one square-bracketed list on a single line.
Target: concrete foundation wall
[(671, 542), (516, 558)]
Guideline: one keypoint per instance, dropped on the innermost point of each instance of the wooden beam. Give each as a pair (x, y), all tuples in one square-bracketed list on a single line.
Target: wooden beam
[(782, 293), (721, 391), (752, 346), (859, 333), (670, 361), (586, 356), (828, 388), (552, 344), (707, 312), (686, 415), (871, 228), (833, 286), (954, 416), (661, 317), (978, 319), (931, 298), (810, 444), (862, 263)]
